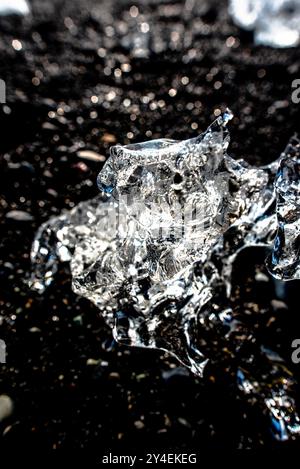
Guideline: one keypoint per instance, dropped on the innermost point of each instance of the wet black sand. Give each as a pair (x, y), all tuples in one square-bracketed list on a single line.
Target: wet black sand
[(71, 385)]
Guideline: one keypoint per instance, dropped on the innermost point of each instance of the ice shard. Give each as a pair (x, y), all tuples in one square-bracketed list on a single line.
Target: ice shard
[(154, 252), (275, 23)]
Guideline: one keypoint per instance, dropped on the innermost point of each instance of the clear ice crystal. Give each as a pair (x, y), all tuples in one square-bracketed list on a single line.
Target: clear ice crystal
[(155, 250), (276, 23)]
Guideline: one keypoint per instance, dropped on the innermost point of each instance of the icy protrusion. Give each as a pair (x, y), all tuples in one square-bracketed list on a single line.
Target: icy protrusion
[(276, 23)]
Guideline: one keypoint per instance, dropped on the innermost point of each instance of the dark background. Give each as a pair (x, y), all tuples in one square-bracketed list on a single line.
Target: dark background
[(71, 385)]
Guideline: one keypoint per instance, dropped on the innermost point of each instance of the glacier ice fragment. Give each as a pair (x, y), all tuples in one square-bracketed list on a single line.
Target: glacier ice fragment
[(154, 251)]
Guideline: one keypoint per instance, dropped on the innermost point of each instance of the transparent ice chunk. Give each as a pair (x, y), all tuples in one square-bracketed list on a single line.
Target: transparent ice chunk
[(276, 23), (154, 252)]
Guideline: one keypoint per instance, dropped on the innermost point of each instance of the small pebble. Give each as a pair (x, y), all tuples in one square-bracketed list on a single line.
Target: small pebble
[(277, 305), (6, 407), (90, 155), (108, 138), (92, 361), (184, 422), (260, 277), (139, 425), (19, 215)]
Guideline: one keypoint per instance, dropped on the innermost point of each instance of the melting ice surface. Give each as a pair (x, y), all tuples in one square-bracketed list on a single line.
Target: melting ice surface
[(154, 251), (276, 23)]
